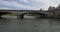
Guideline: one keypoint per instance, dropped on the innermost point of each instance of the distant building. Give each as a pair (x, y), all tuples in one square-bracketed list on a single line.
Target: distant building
[(55, 11), (51, 8), (58, 7)]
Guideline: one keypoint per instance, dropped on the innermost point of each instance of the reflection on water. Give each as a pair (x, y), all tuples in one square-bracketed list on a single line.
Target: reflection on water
[(29, 25), (55, 21), (3, 21)]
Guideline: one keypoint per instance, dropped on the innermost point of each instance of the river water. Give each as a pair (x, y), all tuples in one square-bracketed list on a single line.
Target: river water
[(29, 25)]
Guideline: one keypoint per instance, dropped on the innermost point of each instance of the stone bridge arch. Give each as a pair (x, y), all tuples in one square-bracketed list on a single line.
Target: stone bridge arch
[(3, 13), (38, 15)]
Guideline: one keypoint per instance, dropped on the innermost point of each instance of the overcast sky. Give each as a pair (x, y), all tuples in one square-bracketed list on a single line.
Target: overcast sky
[(28, 4)]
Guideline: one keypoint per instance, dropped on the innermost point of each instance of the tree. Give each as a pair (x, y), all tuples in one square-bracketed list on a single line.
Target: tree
[(41, 10)]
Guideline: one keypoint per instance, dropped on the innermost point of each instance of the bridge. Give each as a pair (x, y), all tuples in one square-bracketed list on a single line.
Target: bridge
[(21, 13)]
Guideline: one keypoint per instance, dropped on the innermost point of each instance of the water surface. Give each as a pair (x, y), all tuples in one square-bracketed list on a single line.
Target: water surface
[(29, 25)]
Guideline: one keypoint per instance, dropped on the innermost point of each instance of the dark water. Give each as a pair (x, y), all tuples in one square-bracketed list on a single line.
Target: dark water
[(29, 25)]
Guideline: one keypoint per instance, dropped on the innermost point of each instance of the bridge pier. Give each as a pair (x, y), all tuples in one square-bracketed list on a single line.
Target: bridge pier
[(21, 16), (0, 16)]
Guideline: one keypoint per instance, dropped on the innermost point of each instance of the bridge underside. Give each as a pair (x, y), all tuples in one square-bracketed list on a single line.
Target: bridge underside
[(38, 15), (3, 13)]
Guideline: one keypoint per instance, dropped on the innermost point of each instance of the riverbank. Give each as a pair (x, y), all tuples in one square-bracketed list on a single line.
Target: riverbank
[(5, 16)]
